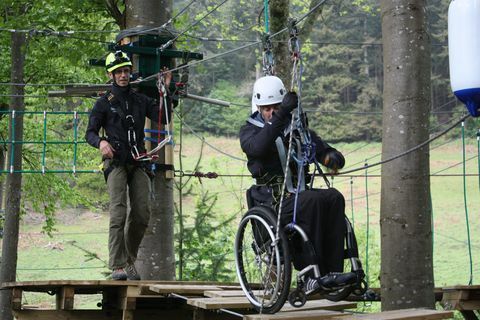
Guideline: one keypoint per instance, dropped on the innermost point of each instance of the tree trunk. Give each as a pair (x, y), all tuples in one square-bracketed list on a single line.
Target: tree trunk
[(8, 266), (156, 256), (406, 237), (279, 10), (147, 13)]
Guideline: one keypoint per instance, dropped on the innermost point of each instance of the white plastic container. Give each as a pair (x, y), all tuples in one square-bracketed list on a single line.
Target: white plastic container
[(464, 52)]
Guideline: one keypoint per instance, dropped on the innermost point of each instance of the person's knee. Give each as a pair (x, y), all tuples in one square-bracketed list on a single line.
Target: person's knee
[(117, 220)]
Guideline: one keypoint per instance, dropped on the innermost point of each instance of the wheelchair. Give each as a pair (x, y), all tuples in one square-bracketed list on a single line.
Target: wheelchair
[(264, 261)]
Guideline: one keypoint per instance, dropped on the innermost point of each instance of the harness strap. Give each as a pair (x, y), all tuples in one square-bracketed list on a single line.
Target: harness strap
[(283, 160), (128, 122), (256, 122)]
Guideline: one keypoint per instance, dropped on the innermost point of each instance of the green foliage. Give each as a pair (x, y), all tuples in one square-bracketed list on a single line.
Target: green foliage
[(54, 58), (206, 239), (215, 119)]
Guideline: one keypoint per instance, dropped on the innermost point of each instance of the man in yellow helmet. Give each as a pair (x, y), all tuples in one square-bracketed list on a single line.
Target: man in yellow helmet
[(121, 112)]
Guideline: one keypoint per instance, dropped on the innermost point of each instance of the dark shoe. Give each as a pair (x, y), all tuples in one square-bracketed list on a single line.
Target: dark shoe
[(335, 280), (131, 272), (119, 274)]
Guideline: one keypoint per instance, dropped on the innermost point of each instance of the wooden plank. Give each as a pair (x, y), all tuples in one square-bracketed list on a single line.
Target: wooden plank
[(111, 283), (128, 299), (182, 289), (412, 314), (461, 298), (177, 314), (225, 293), (295, 315), (220, 303), (127, 315), (321, 305), (65, 298), (17, 298), (462, 287)]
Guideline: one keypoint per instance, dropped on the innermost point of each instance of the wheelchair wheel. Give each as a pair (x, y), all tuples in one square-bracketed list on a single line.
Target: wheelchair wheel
[(263, 264)]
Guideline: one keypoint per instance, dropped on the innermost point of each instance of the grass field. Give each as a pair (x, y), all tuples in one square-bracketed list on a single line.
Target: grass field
[(59, 257)]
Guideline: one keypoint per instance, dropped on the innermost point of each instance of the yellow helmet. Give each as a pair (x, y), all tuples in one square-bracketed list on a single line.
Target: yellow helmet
[(117, 60)]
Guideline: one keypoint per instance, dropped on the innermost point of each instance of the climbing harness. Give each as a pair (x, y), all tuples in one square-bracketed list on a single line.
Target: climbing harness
[(163, 108)]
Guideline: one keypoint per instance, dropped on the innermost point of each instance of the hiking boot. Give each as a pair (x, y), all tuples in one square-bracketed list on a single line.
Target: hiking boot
[(335, 280), (131, 272), (119, 274)]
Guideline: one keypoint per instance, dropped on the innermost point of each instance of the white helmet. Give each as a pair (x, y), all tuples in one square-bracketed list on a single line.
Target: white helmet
[(267, 90)]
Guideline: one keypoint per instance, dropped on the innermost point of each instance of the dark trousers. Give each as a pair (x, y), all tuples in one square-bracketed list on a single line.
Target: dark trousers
[(127, 228), (321, 214)]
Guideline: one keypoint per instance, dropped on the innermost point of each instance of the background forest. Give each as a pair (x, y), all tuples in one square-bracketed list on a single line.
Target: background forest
[(342, 91)]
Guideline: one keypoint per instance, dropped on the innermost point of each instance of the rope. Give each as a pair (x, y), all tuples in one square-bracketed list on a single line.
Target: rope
[(409, 150), (266, 12), (193, 63), (368, 223), (170, 42), (466, 207), (170, 20), (478, 156), (351, 202), (205, 141)]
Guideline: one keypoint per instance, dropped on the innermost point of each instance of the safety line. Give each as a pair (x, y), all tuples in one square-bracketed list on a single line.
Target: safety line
[(169, 20), (194, 63), (351, 202), (367, 235), (457, 164), (478, 156), (466, 206), (205, 141), (266, 15), (170, 42), (409, 150), (59, 32)]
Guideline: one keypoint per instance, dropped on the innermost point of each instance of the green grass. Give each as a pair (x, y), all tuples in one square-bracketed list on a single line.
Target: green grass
[(44, 258)]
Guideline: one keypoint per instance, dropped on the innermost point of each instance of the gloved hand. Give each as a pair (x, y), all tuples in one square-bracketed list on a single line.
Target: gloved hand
[(289, 102), (333, 159)]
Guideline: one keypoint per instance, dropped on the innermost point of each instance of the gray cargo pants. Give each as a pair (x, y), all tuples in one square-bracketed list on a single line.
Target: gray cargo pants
[(126, 230)]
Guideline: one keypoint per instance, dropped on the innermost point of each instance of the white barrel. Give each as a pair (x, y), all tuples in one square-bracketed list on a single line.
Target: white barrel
[(464, 51)]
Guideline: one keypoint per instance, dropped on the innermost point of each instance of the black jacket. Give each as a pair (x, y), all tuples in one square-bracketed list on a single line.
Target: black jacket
[(259, 145), (106, 114)]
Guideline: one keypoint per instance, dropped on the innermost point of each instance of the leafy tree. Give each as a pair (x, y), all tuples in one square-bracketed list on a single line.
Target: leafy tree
[(207, 242)]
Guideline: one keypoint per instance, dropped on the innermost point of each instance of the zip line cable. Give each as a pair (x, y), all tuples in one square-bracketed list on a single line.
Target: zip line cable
[(169, 20), (169, 42), (409, 150), (205, 141), (194, 63), (47, 32)]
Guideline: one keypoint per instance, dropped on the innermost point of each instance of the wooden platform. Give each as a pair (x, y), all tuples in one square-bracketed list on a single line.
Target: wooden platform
[(465, 299), (141, 300)]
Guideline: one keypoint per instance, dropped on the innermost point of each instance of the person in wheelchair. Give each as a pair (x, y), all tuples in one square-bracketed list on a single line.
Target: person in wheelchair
[(320, 212)]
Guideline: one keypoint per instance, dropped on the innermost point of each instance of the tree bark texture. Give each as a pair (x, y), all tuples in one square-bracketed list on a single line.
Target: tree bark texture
[(147, 13), (156, 255), (279, 10), (8, 267), (406, 237)]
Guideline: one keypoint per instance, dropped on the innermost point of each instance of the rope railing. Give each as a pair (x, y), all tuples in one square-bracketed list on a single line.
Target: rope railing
[(44, 142)]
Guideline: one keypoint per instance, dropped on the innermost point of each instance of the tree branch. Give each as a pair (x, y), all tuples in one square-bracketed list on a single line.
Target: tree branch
[(310, 20), (114, 11)]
